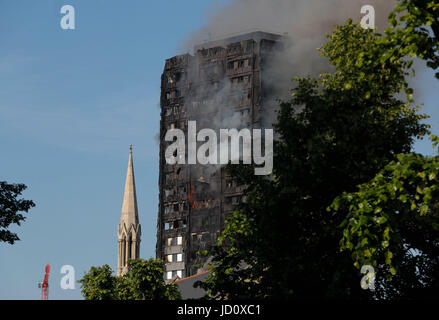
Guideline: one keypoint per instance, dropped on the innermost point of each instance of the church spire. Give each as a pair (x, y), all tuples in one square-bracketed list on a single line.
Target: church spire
[(129, 205), (129, 227)]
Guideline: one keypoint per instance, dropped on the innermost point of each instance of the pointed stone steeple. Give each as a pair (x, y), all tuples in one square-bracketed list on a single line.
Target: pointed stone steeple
[(129, 228), (129, 204)]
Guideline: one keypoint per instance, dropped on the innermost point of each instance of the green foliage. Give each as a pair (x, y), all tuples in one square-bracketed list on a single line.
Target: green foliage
[(99, 284), (335, 133), (9, 208), (365, 66), (415, 31), (143, 281), (393, 221)]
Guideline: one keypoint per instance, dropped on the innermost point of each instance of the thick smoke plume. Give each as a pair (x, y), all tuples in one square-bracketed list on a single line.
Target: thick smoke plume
[(304, 19), (306, 23)]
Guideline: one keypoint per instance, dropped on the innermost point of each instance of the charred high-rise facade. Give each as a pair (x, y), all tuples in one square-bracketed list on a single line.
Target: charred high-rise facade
[(220, 86)]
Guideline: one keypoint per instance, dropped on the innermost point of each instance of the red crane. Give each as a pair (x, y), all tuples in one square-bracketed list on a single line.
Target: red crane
[(45, 284)]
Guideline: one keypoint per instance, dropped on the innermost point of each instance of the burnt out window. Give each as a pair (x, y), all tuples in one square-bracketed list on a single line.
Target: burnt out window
[(176, 241), (236, 200)]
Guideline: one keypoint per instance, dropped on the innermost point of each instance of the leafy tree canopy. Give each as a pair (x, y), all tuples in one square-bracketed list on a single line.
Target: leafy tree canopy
[(415, 31), (10, 206), (143, 281), (99, 284), (393, 225)]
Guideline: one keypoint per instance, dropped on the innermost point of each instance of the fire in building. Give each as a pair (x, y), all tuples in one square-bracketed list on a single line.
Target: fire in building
[(220, 86)]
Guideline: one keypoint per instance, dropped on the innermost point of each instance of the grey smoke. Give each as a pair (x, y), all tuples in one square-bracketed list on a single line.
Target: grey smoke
[(304, 19), (306, 23)]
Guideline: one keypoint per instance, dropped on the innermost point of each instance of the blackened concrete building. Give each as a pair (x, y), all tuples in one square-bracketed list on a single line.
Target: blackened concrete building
[(220, 86)]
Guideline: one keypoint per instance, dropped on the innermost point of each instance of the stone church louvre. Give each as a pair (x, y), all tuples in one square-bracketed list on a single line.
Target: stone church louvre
[(220, 86)]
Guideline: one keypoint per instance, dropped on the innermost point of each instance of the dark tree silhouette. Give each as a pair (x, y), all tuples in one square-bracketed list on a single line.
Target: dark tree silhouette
[(10, 206)]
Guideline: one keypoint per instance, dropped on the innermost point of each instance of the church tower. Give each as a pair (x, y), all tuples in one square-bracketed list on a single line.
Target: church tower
[(128, 234)]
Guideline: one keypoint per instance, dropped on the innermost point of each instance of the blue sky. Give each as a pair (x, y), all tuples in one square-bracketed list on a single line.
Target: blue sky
[(71, 103)]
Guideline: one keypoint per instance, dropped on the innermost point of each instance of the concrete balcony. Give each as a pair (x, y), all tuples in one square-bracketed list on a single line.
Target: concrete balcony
[(171, 266), (173, 249), (238, 71)]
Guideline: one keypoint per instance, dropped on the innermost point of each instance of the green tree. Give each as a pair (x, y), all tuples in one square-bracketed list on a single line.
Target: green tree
[(143, 281), (392, 222), (337, 132), (414, 31), (99, 284), (393, 225), (10, 206)]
